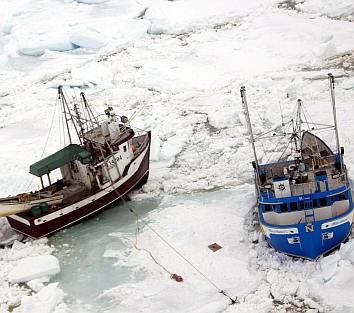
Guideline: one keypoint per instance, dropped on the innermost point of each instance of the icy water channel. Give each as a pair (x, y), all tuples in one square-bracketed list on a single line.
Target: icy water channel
[(85, 272)]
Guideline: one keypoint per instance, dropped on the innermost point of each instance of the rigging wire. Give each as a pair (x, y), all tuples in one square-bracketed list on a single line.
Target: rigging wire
[(264, 149), (63, 128), (164, 240), (46, 141), (59, 129), (286, 148), (137, 112), (305, 117), (305, 110)]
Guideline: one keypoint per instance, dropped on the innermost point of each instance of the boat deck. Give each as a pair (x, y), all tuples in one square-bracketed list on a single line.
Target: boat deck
[(302, 181), (73, 192)]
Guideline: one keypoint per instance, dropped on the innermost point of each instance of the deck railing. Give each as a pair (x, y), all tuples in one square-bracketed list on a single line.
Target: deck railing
[(299, 189)]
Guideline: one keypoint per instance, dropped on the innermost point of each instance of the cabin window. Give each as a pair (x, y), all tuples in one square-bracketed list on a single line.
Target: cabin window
[(293, 206), (283, 207), (302, 205), (125, 148), (323, 202), (342, 196), (267, 208), (308, 204), (316, 203), (334, 198)]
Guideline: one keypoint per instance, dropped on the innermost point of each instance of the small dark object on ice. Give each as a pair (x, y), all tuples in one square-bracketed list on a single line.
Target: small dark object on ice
[(214, 247), (177, 278)]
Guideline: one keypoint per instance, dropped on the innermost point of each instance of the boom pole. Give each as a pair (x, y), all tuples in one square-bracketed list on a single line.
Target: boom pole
[(90, 114), (67, 112), (331, 87), (63, 101), (249, 125)]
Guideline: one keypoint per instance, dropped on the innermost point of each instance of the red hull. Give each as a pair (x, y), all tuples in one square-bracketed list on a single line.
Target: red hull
[(46, 227)]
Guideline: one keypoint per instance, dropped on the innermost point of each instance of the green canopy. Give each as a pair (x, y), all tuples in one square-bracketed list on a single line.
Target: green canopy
[(60, 158)]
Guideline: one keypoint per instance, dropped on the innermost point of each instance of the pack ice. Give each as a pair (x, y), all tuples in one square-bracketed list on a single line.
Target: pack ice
[(30, 268)]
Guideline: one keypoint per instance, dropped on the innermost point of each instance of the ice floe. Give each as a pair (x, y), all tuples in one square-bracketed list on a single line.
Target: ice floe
[(30, 268), (47, 300), (51, 41), (342, 9), (185, 60), (87, 38)]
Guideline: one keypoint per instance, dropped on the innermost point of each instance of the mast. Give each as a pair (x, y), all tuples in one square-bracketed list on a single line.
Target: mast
[(67, 112), (331, 87), (298, 116), (79, 121), (297, 127), (90, 114), (63, 101), (248, 120)]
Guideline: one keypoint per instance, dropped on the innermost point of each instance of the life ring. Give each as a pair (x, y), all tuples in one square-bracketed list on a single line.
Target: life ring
[(324, 162)]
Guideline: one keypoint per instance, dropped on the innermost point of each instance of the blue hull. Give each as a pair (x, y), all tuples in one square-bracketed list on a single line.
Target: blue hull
[(310, 240)]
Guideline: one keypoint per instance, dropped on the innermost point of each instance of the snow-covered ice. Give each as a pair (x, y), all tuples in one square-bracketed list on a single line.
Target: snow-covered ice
[(48, 300), (30, 268), (333, 9), (183, 63)]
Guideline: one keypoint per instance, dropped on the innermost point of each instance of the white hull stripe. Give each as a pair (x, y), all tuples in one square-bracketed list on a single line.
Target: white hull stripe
[(82, 217), (340, 221), (20, 219), (279, 231), (132, 170), (291, 231)]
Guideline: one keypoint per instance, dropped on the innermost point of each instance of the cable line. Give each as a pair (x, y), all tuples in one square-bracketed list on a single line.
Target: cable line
[(173, 276)]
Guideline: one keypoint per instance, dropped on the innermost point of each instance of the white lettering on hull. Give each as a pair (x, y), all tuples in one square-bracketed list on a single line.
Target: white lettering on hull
[(279, 231), (339, 221), (132, 170), (290, 231)]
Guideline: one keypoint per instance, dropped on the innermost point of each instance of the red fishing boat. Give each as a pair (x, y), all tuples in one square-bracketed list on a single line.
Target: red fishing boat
[(109, 160)]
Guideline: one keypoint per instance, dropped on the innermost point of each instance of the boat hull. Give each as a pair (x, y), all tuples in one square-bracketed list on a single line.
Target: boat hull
[(310, 240), (53, 221), (12, 207)]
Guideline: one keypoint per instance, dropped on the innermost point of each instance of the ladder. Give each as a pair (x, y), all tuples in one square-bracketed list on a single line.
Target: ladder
[(309, 211)]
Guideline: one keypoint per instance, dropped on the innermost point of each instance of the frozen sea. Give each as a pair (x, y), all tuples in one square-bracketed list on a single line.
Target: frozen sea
[(78, 248), (98, 254), (181, 63)]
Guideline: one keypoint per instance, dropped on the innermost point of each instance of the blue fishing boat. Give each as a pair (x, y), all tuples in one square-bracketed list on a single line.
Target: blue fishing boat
[(305, 205)]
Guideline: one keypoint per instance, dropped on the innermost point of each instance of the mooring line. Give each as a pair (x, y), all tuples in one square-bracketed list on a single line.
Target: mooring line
[(172, 276)]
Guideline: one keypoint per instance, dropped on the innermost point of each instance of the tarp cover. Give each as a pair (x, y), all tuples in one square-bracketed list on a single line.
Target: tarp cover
[(56, 160), (312, 145)]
